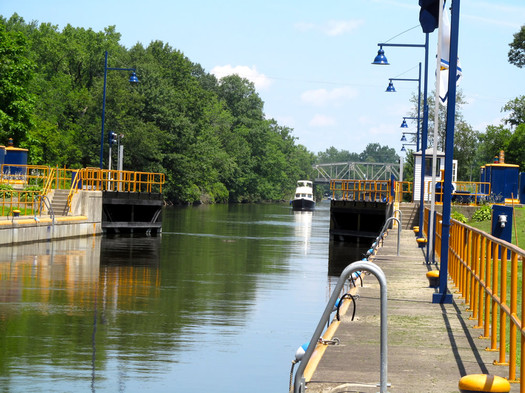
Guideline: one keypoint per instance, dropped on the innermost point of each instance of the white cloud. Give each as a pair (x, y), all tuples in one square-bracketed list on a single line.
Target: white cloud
[(331, 28), (322, 97), (339, 27), (322, 121), (260, 81), (383, 129)]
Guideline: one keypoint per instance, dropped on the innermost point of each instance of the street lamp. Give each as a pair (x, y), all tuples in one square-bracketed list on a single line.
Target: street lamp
[(391, 89), (405, 125), (381, 59), (132, 79), (406, 144)]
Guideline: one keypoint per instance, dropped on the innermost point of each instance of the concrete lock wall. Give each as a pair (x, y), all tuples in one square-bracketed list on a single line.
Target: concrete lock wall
[(85, 219)]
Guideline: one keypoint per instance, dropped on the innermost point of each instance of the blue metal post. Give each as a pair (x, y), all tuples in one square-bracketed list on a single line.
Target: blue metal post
[(103, 107), (442, 296), (133, 79)]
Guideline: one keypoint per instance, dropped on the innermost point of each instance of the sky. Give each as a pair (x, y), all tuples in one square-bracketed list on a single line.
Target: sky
[(310, 61)]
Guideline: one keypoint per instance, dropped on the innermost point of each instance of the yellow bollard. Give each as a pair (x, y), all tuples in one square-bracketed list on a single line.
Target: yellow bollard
[(483, 383), (433, 278)]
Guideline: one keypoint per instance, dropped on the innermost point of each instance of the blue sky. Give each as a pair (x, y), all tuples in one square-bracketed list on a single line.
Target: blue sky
[(311, 60)]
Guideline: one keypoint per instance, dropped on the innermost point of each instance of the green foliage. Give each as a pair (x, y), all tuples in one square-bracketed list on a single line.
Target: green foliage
[(5, 190), (458, 216), (482, 214), (517, 49), (209, 137), (515, 153), (16, 70)]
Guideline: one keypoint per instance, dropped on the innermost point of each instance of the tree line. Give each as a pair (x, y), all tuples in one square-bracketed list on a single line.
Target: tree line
[(209, 137)]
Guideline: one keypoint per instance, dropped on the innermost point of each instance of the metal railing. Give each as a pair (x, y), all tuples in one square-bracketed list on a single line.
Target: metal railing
[(486, 271), (23, 174), (19, 201), (361, 190), (87, 179), (95, 179), (470, 193), (299, 381)]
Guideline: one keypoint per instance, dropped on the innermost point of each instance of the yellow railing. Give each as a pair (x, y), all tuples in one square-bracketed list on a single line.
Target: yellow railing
[(406, 190), (24, 174), (87, 179), (471, 193), (26, 202), (361, 190), (95, 179), (487, 273)]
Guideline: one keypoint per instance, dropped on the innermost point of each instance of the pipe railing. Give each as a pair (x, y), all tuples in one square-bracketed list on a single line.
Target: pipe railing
[(361, 190), (299, 381), (486, 272)]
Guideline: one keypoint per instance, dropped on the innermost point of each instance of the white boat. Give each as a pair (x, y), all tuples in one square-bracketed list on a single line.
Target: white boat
[(304, 196)]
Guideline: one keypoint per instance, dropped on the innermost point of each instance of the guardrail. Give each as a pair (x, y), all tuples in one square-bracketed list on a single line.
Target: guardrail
[(486, 272), (95, 179), (361, 190), (19, 202), (470, 193), (299, 381), (87, 179)]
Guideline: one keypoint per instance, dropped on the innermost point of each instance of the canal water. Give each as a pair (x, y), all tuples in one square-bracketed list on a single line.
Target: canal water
[(218, 303)]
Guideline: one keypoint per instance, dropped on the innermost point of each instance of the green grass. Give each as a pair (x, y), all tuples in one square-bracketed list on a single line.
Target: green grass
[(518, 226)]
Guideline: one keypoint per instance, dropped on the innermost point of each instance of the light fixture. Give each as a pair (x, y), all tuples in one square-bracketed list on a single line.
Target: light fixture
[(380, 59), (403, 148), (403, 138), (390, 88), (404, 123), (133, 78)]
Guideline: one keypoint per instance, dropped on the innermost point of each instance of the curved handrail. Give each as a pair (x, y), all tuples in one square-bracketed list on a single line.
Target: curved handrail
[(299, 382), (385, 227)]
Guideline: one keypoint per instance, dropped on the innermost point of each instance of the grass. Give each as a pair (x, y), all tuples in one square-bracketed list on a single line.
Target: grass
[(518, 226)]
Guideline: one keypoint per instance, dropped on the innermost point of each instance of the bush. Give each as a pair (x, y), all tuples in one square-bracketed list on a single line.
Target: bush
[(7, 190), (484, 213), (458, 217)]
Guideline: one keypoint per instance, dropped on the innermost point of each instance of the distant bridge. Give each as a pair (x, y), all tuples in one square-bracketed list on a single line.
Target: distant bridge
[(355, 171)]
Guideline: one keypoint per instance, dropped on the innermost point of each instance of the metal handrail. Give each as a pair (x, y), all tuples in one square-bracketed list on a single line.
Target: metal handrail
[(479, 267), (299, 381), (385, 228)]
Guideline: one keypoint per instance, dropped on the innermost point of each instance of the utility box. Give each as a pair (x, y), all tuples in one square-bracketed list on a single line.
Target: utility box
[(502, 223)]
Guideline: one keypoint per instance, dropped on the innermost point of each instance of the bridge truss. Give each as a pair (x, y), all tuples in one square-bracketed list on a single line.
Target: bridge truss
[(356, 171)]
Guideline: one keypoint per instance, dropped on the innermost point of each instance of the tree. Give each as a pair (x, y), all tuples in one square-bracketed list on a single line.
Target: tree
[(515, 153), (332, 155), (374, 152), (494, 139), (517, 49), (517, 109), (16, 71)]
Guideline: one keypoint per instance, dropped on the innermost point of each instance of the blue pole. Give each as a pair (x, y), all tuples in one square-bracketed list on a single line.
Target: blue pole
[(442, 296), (103, 108), (424, 143)]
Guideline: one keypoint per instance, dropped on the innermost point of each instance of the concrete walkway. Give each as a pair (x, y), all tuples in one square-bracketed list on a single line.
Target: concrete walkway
[(430, 346)]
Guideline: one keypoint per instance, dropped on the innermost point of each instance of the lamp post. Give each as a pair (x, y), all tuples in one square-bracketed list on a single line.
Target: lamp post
[(381, 59), (132, 79), (405, 125)]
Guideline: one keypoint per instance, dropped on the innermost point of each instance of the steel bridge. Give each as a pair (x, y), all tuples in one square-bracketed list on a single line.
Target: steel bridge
[(355, 171)]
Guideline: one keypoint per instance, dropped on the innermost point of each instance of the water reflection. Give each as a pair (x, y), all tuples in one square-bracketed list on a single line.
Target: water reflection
[(341, 254), (148, 313), (303, 228)]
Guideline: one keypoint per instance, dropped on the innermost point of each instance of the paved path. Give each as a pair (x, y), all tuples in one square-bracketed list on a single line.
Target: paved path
[(430, 346)]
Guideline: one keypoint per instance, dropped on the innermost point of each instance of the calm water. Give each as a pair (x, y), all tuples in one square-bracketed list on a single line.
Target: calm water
[(218, 303)]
